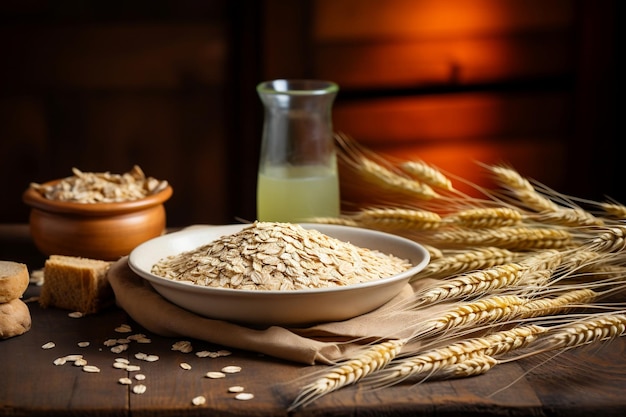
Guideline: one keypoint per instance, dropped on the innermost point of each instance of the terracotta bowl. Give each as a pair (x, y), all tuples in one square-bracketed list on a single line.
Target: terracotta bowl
[(104, 231)]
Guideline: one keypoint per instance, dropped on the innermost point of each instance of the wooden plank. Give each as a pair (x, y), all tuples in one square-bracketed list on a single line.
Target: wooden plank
[(114, 56)]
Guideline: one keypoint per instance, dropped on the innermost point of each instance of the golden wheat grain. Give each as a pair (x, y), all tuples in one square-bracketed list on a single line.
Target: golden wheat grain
[(566, 217), (581, 260), (522, 189), (516, 238), (488, 310), (544, 259), (340, 221), (612, 239), (549, 306), (370, 360), (427, 174), (386, 178), (489, 217), (398, 218), (475, 365), (435, 253), (599, 327), (614, 210), (430, 363), (471, 260), (473, 284)]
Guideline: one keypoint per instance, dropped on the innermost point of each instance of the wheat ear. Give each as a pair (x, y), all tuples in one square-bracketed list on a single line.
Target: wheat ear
[(397, 218), (489, 217), (522, 189), (427, 174), (614, 210), (374, 358), (470, 260), (434, 362), (611, 240), (473, 284), (599, 327), (513, 238)]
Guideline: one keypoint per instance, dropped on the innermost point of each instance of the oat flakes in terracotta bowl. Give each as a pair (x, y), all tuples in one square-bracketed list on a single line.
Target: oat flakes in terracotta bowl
[(97, 215)]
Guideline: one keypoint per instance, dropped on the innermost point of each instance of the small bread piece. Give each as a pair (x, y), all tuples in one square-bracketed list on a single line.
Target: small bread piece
[(14, 318), (13, 280), (76, 284)]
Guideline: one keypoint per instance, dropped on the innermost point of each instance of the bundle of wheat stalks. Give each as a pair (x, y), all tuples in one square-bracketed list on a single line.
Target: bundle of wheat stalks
[(522, 271)]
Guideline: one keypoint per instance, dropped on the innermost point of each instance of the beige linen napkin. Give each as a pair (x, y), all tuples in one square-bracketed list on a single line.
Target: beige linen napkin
[(323, 343)]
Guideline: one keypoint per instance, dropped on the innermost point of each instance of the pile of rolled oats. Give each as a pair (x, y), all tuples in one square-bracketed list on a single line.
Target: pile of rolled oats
[(278, 256), (102, 187)]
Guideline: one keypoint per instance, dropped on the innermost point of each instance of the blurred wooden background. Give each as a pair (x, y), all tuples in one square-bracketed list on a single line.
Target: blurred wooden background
[(170, 85)]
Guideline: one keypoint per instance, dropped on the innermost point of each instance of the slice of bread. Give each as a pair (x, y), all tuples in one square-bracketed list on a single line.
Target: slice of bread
[(76, 284), (14, 318), (13, 280)]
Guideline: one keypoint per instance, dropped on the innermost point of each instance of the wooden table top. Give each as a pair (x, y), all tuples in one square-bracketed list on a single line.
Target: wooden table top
[(577, 383)]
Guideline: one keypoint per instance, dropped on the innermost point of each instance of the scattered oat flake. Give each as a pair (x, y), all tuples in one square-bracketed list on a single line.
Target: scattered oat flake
[(119, 348), (215, 374), (75, 314), (199, 400), (203, 354), (124, 328), (120, 365), (48, 345), (236, 388), (183, 346), (133, 368), (244, 396), (80, 362), (122, 360), (59, 361), (139, 389), (185, 366), (232, 369), (72, 358), (125, 381), (83, 344), (110, 342), (91, 368), (140, 377)]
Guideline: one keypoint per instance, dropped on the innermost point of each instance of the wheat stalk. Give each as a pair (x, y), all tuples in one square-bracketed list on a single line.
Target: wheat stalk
[(614, 210), (522, 189), (435, 362), (473, 284), (575, 217), (427, 174), (350, 372), (515, 238), (489, 217), (612, 239), (470, 260), (397, 218)]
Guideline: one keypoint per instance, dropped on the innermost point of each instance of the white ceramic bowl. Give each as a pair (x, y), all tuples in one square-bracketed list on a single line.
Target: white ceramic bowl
[(283, 308)]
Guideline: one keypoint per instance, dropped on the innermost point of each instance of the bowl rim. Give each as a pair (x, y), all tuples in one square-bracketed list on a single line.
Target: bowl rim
[(404, 275), (35, 200)]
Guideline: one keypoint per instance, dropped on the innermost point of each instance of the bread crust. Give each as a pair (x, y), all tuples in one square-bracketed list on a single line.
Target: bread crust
[(14, 280), (15, 318)]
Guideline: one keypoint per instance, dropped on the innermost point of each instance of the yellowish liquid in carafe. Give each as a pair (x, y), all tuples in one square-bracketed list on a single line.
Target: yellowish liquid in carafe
[(293, 194)]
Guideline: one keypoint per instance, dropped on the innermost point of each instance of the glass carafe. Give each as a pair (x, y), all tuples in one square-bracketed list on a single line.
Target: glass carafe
[(297, 178)]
